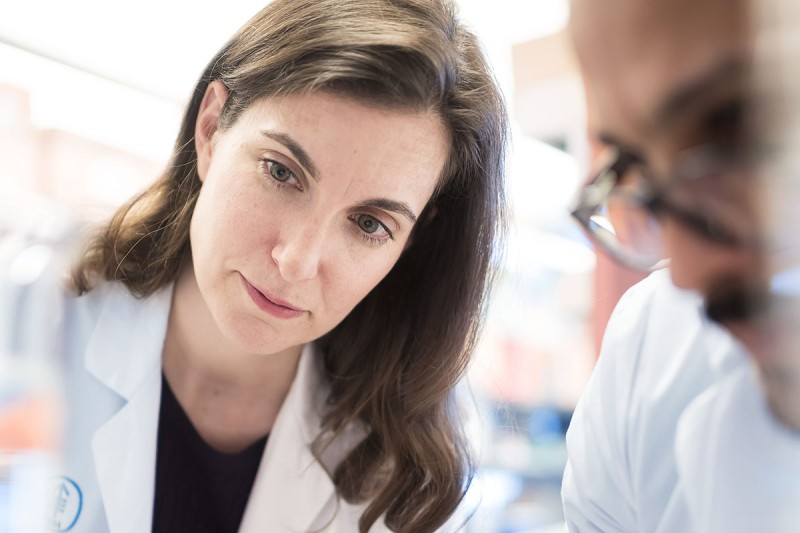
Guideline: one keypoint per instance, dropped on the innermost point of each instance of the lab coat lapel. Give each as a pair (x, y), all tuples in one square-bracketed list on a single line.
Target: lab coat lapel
[(124, 353), (124, 453), (293, 490)]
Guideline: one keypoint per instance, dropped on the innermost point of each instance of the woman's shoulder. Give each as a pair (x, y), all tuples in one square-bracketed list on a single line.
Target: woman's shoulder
[(102, 318), (102, 293)]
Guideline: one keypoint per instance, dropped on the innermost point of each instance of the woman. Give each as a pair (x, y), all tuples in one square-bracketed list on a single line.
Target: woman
[(307, 276)]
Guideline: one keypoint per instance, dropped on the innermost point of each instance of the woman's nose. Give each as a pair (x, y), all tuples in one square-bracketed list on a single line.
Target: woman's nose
[(298, 252)]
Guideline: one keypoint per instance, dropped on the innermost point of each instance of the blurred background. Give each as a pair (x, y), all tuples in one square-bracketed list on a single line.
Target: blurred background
[(91, 94)]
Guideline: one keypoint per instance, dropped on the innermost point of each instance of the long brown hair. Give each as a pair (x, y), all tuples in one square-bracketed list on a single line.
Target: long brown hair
[(394, 360)]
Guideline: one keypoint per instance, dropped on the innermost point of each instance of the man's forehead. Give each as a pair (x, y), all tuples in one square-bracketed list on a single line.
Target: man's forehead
[(619, 23), (634, 54)]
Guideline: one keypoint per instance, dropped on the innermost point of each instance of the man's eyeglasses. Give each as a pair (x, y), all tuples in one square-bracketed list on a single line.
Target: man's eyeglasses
[(622, 206)]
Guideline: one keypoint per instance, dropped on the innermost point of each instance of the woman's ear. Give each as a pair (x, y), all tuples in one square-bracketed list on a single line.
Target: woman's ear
[(206, 125)]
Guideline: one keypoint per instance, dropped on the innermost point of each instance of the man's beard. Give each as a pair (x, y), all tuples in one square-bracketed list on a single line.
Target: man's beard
[(734, 299), (771, 320)]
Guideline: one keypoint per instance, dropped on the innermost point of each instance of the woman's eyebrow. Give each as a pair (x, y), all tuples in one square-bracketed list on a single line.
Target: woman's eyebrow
[(294, 147), (401, 208), (386, 204)]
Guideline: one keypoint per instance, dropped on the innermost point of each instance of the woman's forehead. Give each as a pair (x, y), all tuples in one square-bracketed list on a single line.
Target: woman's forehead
[(334, 137)]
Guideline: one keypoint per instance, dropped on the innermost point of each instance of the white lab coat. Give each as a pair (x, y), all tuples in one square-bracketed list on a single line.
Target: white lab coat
[(672, 433), (112, 354)]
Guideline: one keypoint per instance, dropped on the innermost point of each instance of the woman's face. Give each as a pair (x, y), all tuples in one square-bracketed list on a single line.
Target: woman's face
[(307, 202)]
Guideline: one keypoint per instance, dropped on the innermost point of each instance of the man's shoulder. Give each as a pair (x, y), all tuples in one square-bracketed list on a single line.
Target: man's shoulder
[(657, 320), (649, 317), (657, 294), (660, 354), (660, 338)]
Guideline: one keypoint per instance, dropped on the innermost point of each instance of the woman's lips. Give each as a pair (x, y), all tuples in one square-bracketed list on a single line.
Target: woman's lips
[(276, 308)]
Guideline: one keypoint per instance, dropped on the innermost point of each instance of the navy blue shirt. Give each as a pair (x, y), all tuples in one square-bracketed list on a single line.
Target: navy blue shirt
[(198, 489)]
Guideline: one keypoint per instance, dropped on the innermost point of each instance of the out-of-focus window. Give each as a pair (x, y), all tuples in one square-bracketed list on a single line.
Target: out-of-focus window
[(76, 137), (538, 347)]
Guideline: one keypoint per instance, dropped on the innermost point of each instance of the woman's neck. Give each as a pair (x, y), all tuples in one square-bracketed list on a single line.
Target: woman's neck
[(232, 397)]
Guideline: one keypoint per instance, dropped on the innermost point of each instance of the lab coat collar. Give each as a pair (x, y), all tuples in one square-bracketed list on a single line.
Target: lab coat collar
[(124, 350), (725, 353), (124, 448), (723, 350)]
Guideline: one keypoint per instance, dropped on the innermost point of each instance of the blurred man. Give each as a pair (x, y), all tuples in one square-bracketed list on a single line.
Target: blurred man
[(690, 420)]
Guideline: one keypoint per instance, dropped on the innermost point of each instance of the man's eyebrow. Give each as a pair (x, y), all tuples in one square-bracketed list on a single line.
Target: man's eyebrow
[(687, 97), (295, 148), (391, 205)]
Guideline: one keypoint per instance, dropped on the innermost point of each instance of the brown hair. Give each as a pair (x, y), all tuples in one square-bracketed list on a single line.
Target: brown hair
[(394, 360)]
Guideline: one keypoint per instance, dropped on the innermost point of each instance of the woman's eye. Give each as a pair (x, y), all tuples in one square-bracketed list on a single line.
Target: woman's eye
[(279, 172), (372, 230), (368, 224)]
